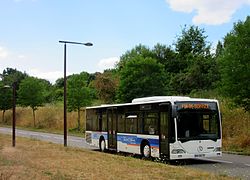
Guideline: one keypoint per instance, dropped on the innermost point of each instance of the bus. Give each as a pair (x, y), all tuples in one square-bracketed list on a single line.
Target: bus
[(169, 127)]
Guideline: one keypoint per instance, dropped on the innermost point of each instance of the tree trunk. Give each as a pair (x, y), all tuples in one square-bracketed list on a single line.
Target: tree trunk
[(34, 117), (78, 119), (3, 116)]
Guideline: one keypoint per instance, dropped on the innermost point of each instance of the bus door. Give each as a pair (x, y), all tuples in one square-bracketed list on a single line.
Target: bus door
[(112, 128), (163, 124)]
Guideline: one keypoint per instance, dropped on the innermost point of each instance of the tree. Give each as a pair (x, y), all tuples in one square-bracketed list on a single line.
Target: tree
[(106, 85), (167, 57), (235, 64), (10, 75), (139, 50), (79, 95), (31, 93), (5, 99), (196, 66), (141, 77), (192, 41)]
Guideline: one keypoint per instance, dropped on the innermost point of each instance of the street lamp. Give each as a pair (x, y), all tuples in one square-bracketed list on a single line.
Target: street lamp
[(65, 86)]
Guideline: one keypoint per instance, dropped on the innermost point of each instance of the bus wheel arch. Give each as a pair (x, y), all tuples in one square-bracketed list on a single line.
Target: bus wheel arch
[(145, 148), (102, 144)]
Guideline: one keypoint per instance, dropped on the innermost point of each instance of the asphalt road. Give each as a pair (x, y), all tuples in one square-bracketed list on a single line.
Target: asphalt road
[(228, 164)]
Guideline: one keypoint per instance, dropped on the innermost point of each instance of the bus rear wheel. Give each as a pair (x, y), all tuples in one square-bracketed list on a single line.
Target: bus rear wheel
[(146, 150)]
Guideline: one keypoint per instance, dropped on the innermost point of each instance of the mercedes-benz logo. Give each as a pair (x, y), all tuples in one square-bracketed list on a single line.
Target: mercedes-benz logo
[(200, 148)]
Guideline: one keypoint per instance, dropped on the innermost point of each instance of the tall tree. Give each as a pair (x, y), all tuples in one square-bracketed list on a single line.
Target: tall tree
[(139, 50), (79, 95), (141, 77), (196, 65), (31, 93), (10, 75), (106, 85), (235, 64), (167, 57)]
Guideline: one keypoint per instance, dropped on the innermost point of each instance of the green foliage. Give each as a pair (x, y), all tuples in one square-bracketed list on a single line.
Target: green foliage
[(79, 94), (235, 64), (192, 41), (139, 50), (9, 76), (32, 93), (106, 85), (141, 77), (196, 68), (5, 99), (167, 57)]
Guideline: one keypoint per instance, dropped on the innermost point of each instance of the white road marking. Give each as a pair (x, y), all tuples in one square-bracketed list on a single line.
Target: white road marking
[(247, 165)]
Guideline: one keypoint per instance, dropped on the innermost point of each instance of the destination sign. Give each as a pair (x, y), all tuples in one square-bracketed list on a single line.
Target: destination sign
[(196, 105)]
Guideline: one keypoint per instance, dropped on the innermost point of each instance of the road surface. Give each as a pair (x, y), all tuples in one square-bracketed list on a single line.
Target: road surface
[(228, 164), (73, 141)]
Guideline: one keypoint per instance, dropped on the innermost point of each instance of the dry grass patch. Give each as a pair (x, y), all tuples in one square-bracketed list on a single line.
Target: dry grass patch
[(33, 159)]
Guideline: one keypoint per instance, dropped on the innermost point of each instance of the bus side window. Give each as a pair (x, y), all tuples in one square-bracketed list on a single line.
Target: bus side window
[(131, 123), (151, 123), (121, 123)]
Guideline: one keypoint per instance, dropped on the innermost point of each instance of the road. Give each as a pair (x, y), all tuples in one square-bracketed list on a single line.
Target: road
[(73, 141), (228, 164)]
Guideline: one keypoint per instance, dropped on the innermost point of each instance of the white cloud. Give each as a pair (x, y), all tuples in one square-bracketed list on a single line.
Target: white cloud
[(107, 63), (3, 53), (211, 12), (50, 76)]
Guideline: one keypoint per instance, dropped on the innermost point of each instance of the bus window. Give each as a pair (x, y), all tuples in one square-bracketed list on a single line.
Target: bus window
[(151, 123), (90, 117), (131, 123), (121, 123)]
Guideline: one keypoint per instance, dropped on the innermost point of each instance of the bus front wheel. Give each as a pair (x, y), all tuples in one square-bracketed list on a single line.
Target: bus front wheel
[(146, 150)]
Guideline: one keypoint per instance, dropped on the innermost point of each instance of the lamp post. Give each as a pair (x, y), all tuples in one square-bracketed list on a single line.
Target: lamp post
[(14, 116), (65, 86)]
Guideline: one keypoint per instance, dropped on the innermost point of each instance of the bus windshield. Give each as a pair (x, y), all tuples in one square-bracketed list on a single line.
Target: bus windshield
[(197, 121)]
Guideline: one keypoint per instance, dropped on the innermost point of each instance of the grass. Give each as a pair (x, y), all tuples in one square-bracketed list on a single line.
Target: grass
[(48, 119), (32, 159)]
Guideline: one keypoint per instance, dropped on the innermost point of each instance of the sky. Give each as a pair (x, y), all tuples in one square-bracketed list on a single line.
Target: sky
[(30, 30)]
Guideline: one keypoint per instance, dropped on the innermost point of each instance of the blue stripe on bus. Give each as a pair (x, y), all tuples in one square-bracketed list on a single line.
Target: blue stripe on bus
[(134, 140)]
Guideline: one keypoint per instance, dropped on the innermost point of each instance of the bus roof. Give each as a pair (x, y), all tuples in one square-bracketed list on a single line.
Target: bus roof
[(154, 99)]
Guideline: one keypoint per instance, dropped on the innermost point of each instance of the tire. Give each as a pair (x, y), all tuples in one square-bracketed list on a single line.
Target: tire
[(102, 145), (146, 151)]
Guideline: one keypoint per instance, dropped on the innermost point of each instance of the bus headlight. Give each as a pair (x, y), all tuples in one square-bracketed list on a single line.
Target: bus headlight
[(178, 151), (217, 149)]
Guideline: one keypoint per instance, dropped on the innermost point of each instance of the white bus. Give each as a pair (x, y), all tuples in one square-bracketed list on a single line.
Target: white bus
[(169, 127)]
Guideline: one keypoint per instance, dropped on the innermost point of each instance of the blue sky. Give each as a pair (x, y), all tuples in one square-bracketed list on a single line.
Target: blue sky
[(30, 30)]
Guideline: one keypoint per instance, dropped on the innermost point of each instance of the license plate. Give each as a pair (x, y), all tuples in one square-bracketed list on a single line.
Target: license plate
[(199, 155)]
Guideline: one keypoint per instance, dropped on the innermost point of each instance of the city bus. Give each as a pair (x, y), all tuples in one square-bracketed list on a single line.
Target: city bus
[(169, 127)]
